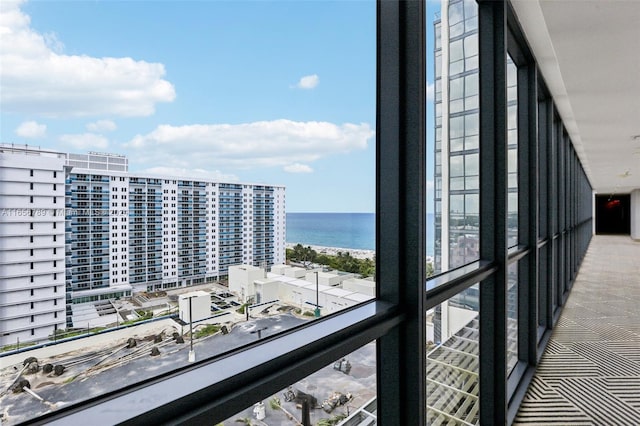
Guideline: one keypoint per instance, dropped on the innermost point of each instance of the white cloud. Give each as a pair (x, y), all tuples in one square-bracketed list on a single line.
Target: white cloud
[(52, 41), (31, 129), (85, 141), (37, 78), (297, 168), (191, 173), (430, 91), (308, 82), (259, 144), (102, 126)]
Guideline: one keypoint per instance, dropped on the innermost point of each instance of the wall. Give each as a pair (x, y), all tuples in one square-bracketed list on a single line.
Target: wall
[(635, 214)]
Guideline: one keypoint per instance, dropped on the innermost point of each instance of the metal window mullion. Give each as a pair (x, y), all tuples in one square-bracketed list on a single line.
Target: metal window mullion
[(561, 211), (400, 206), (542, 144), (492, 42), (528, 212), (552, 201)]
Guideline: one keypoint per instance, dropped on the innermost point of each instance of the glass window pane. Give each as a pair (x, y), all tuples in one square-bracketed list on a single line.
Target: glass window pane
[(472, 205), (456, 204), (471, 45), (456, 12), (470, 9), (456, 127), (456, 67), (471, 85), (471, 142), (472, 182), (342, 391), (472, 164), (139, 253), (452, 360), (456, 145), (455, 51), (471, 125), (471, 63), (456, 165), (471, 102), (456, 29), (456, 184), (462, 121), (456, 88), (512, 166), (512, 316)]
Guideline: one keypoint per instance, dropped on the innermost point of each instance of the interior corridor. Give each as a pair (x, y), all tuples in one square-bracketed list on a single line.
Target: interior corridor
[(590, 371)]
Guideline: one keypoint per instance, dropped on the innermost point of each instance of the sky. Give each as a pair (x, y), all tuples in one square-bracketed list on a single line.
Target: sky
[(270, 92)]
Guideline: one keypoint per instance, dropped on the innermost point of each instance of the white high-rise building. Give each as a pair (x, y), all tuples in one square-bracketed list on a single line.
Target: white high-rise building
[(130, 232), (32, 244)]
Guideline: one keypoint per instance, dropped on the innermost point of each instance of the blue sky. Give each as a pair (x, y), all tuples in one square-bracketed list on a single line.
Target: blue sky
[(269, 92)]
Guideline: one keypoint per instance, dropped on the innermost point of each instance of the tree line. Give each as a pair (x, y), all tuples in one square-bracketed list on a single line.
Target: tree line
[(343, 261)]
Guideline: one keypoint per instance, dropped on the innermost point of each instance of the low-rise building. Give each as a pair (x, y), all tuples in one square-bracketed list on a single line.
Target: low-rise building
[(287, 285)]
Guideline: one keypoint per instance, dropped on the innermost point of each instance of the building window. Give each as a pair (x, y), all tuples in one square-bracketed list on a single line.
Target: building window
[(31, 238), (31, 265), (31, 227), (31, 252), (31, 172), (54, 187), (31, 201), (55, 174), (31, 289), (31, 185)]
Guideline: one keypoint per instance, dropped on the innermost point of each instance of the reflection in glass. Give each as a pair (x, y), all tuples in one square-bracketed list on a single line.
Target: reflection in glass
[(512, 316), (456, 137), (341, 393), (512, 164), (452, 364)]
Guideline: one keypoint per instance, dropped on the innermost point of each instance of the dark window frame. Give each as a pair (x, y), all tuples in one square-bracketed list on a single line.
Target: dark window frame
[(213, 390)]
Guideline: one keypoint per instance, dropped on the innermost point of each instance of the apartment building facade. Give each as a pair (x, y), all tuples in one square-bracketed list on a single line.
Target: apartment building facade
[(32, 245), (119, 232)]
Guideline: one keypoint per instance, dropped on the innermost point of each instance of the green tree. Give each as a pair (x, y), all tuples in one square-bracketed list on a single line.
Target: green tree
[(429, 271), (304, 255)]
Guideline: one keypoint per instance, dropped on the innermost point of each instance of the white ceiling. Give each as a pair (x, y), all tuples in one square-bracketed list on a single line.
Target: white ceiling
[(589, 54)]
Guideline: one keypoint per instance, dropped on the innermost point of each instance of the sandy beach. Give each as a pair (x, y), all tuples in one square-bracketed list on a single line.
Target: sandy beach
[(357, 253), (333, 251)]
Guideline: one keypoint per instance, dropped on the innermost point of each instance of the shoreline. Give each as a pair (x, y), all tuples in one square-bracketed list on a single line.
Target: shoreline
[(333, 251)]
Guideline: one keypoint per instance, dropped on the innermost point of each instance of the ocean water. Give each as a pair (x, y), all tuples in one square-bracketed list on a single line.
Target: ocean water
[(346, 230)]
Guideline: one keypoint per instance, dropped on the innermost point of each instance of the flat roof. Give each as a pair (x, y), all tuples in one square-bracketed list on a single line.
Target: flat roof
[(198, 293)]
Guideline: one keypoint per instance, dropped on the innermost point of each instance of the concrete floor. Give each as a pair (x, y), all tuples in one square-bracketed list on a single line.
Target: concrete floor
[(590, 371)]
